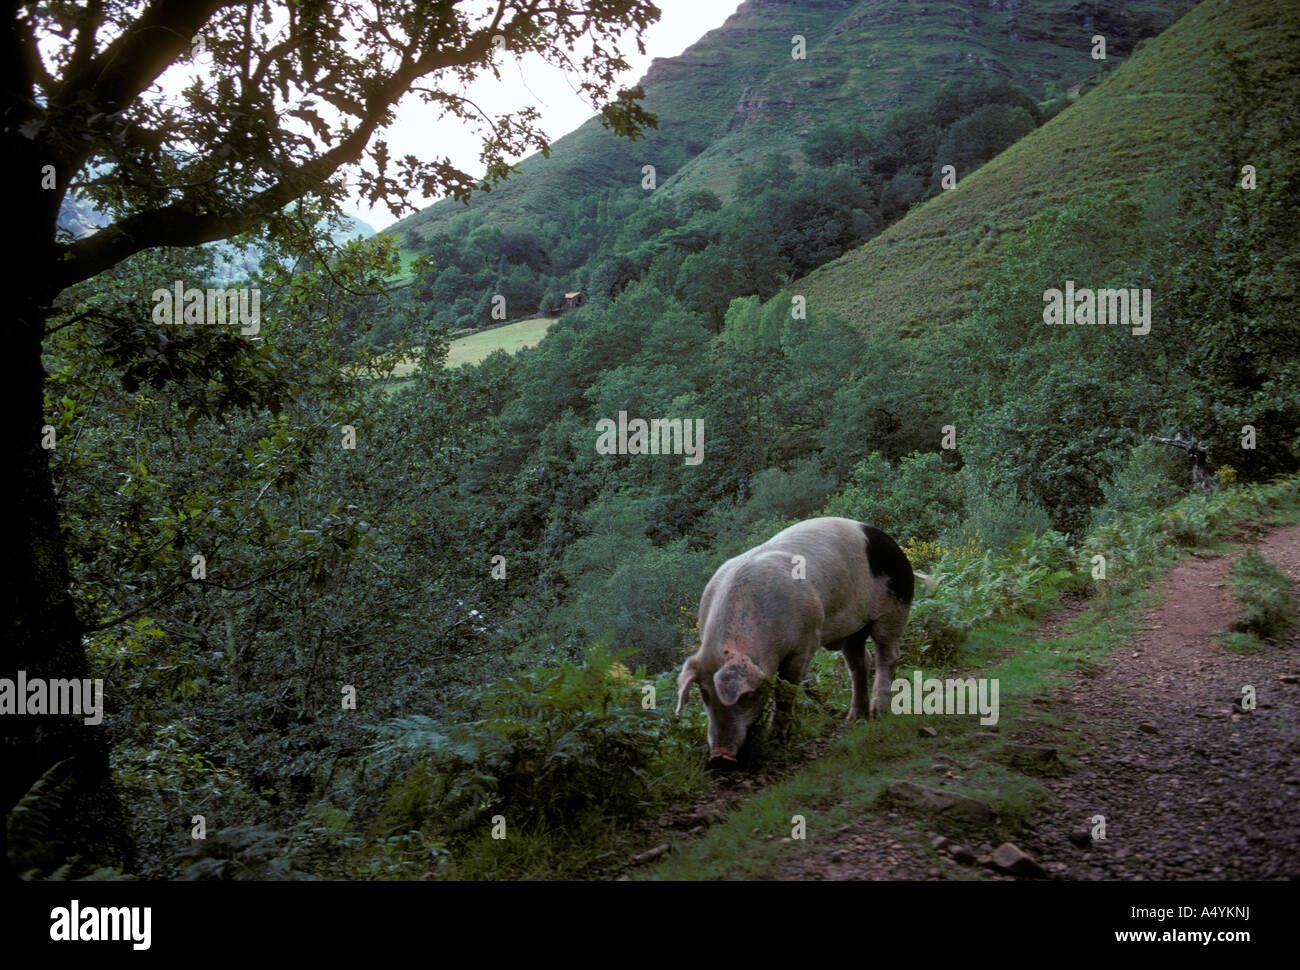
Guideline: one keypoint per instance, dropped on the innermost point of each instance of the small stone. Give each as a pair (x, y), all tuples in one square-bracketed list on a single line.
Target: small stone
[(1148, 727), (963, 854), (1011, 859), (1037, 753), (1081, 837), (940, 842), (950, 804), (1289, 678), (927, 732), (649, 854)]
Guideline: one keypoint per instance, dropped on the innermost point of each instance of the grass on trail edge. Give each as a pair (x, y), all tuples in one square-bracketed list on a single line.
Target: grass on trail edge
[(1268, 608)]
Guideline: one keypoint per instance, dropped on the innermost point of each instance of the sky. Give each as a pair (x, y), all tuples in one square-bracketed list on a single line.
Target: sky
[(530, 81)]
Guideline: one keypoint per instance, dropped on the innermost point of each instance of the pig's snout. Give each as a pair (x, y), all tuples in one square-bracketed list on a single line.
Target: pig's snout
[(722, 757), (722, 761)]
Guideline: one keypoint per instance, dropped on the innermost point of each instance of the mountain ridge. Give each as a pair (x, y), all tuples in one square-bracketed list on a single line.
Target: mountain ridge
[(737, 93)]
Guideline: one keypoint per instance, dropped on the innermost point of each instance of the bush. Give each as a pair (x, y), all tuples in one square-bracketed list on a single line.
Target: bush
[(996, 512), (547, 743), (920, 498), (1268, 608), (975, 585), (1154, 477)]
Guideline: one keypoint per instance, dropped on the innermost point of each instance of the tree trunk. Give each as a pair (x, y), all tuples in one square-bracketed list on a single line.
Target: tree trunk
[(44, 632)]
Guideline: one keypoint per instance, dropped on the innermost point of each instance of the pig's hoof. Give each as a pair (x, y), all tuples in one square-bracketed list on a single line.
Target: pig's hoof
[(854, 714), (722, 764)]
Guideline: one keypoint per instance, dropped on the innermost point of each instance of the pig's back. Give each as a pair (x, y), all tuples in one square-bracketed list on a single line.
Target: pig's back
[(859, 573), (848, 575)]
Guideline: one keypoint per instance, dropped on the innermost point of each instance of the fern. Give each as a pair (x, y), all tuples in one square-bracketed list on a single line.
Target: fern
[(27, 824)]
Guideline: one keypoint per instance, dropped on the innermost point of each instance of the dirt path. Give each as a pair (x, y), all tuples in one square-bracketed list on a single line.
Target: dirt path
[(1190, 787)]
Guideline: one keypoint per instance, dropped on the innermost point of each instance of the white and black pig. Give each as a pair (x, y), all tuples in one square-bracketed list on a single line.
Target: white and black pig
[(826, 582)]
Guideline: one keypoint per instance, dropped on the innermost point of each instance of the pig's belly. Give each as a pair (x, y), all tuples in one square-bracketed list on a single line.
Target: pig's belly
[(841, 625)]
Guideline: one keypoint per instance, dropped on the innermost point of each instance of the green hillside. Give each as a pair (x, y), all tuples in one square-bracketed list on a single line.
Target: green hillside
[(881, 56), (1129, 136), (510, 338), (737, 94), (692, 94)]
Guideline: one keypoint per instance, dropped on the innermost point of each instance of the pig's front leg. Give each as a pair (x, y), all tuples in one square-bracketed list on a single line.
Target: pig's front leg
[(793, 669)]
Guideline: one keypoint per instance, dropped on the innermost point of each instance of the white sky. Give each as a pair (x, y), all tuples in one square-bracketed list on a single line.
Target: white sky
[(417, 130)]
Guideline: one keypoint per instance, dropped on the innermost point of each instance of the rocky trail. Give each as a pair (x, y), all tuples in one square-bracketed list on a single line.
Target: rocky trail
[(1191, 783)]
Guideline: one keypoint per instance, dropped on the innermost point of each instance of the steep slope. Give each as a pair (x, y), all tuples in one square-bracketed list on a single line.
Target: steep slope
[(1122, 140), (883, 55), (738, 93), (692, 94)]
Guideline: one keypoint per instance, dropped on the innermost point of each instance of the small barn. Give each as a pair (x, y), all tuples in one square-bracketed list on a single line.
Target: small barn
[(572, 301)]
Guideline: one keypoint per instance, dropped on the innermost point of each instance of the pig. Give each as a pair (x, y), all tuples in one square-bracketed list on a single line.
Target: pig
[(828, 582)]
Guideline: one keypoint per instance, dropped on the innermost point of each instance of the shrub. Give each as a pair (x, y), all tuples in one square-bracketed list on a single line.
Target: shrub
[(997, 513), (547, 742), (919, 498), (1154, 477), (1268, 608)]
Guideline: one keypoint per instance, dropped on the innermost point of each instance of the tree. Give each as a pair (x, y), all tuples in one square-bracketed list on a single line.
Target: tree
[(982, 134), (283, 103), (836, 143)]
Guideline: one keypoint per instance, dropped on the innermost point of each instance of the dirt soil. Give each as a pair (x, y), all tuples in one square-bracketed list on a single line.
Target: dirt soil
[(1191, 785)]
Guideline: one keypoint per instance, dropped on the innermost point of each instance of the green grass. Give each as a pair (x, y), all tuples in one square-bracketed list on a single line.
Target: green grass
[(511, 338), (407, 256), (1268, 608), (476, 347)]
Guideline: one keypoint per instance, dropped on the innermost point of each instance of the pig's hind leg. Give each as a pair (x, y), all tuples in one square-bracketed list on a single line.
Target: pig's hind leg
[(887, 634), (855, 658)]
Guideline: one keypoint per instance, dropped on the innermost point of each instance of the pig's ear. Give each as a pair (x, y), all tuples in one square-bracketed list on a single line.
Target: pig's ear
[(690, 670), (737, 678)]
